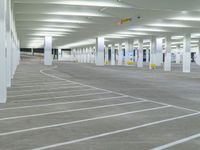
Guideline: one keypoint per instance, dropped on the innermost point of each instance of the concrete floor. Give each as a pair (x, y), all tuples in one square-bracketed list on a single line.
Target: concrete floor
[(74, 106)]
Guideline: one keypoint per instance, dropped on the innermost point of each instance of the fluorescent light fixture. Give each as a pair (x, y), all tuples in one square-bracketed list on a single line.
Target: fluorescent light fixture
[(81, 43), (132, 33), (168, 25), (177, 37), (57, 20), (186, 18), (69, 13), (195, 35), (148, 29), (90, 3), (52, 29)]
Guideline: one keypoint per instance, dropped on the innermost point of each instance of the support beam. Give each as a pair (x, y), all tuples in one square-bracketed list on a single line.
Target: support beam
[(112, 55), (100, 45), (152, 52), (3, 90), (168, 59), (187, 53), (48, 51), (140, 54), (120, 52), (159, 51)]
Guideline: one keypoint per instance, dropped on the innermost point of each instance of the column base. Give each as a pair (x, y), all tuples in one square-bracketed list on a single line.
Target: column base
[(187, 62), (167, 64)]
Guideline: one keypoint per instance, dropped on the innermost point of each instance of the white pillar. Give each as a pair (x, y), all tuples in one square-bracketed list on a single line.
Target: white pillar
[(120, 58), (147, 55), (112, 55), (198, 54), (3, 90), (106, 54), (100, 44), (152, 52), (187, 53), (168, 57), (159, 51), (127, 49), (136, 55), (59, 54), (48, 51), (140, 52), (178, 54)]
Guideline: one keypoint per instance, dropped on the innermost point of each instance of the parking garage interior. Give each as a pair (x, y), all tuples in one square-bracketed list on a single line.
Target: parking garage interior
[(99, 75)]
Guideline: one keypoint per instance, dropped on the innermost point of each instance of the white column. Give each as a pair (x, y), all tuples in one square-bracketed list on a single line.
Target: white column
[(59, 54), (127, 49), (159, 51), (152, 52), (120, 51), (100, 44), (112, 55), (168, 57), (48, 51), (187, 53), (198, 54), (136, 55), (147, 55), (3, 90), (178, 54), (140, 52), (106, 54)]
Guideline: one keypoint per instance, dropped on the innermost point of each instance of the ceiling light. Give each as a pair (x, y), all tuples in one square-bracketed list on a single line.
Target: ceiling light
[(133, 33), (81, 43), (177, 37), (186, 18), (168, 25), (148, 29)]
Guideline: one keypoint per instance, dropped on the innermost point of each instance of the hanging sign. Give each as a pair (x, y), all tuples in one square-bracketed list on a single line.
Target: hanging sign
[(124, 20)]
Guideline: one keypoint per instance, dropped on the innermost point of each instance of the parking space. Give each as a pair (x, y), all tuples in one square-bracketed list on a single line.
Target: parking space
[(47, 110)]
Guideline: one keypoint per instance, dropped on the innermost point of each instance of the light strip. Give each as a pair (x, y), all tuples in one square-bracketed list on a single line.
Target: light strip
[(168, 25), (148, 29), (186, 18), (80, 3)]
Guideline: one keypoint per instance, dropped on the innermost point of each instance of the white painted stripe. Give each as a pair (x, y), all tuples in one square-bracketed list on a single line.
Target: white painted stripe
[(38, 90), (178, 107), (45, 83), (114, 132), (35, 81), (62, 103), (81, 121), (41, 85), (59, 97), (177, 142), (72, 110), (37, 94)]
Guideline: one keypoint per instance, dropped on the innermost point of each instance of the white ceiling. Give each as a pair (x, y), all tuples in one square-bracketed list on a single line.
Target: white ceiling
[(73, 22)]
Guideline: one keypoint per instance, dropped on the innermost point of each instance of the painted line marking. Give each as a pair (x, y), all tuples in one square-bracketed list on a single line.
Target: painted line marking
[(72, 110), (81, 121), (60, 88), (177, 142), (36, 81), (61, 103), (114, 132), (52, 98), (51, 92), (40, 86), (45, 83), (53, 76)]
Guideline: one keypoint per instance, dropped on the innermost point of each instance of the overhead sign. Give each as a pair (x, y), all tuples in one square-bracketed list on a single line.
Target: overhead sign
[(124, 20)]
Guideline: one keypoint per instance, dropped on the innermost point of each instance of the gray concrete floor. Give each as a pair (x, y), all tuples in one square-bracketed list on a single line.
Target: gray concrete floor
[(72, 106)]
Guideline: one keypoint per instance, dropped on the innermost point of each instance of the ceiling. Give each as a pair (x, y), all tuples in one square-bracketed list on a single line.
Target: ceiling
[(78, 22)]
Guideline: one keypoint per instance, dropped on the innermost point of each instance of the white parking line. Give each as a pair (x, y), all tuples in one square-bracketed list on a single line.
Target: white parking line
[(114, 132), (62, 103), (177, 142), (45, 83), (40, 85), (179, 107), (81, 121), (38, 90), (53, 92), (59, 97), (72, 110), (36, 81)]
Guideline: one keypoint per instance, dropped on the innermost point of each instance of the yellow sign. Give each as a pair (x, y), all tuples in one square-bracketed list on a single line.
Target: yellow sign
[(125, 20)]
